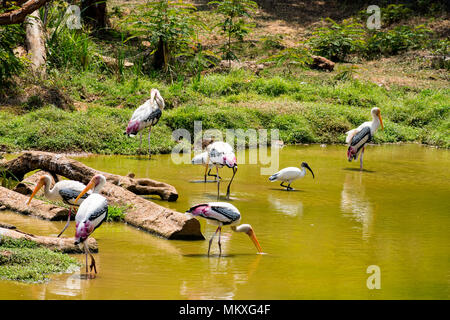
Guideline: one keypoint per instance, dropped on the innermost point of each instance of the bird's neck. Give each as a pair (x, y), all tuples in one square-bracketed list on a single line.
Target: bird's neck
[(242, 228), (50, 193), (375, 124)]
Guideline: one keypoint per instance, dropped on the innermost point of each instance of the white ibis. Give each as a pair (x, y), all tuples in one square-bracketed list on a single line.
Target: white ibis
[(223, 214), (221, 154), (147, 115), (66, 191), (291, 174), (359, 137), (91, 213)]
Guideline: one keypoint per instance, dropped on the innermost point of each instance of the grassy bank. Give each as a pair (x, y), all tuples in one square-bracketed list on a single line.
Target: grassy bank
[(25, 260), (305, 108)]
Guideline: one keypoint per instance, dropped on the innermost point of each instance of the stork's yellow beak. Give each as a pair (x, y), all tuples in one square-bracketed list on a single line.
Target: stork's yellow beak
[(252, 236), (381, 121), (36, 189), (90, 185)]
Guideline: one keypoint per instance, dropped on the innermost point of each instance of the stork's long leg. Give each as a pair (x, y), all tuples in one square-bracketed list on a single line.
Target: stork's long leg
[(92, 266), (289, 187), (228, 188), (67, 224), (149, 132), (206, 169), (210, 240), (220, 246), (282, 185), (361, 159), (218, 184), (140, 142), (213, 175)]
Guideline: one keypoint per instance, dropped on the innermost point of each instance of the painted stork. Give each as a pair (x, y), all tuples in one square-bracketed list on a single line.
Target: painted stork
[(202, 158), (66, 191), (221, 154), (291, 174), (223, 214), (91, 214), (359, 137), (147, 115)]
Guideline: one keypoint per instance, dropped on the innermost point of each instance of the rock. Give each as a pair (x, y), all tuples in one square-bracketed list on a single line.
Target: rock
[(2, 208), (322, 63)]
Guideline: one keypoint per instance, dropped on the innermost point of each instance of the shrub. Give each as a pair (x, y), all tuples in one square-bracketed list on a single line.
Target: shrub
[(10, 65), (337, 41)]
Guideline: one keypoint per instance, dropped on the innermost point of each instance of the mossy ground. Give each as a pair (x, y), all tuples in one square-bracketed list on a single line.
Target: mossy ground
[(25, 260)]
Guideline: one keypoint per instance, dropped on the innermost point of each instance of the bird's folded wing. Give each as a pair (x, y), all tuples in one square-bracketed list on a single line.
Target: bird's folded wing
[(350, 134)]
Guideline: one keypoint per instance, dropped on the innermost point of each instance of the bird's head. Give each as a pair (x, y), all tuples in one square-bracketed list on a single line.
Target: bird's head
[(41, 182), (305, 165), (249, 231), (97, 182), (230, 160), (376, 113), (156, 96)]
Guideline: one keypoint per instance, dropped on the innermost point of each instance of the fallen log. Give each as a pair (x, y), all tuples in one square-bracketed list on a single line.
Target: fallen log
[(141, 213), (75, 170), (27, 185), (65, 245), (15, 201)]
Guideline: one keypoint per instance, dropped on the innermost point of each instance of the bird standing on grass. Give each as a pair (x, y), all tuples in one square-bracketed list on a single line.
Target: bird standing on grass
[(147, 115), (359, 137), (91, 214), (223, 214), (290, 174)]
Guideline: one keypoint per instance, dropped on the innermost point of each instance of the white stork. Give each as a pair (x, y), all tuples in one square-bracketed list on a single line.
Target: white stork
[(66, 191), (147, 115), (223, 214), (221, 154), (291, 174), (359, 137), (91, 213)]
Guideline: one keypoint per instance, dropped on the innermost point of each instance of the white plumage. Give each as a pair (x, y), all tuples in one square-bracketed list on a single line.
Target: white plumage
[(146, 115), (290, 174)]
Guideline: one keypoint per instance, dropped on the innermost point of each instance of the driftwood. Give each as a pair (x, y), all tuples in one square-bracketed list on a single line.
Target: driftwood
[(57, 244), (119, 190), (75, 170), (19, 15), (15, 201)]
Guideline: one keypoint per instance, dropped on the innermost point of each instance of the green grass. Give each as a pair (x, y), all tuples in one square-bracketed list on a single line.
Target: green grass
[(305, 110), (116, 213), (27, 261)]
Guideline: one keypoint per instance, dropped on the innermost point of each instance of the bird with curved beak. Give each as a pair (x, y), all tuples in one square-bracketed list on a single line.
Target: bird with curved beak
[(222, 214), (290, 174), (66, 191), (91, 214), (358, 138)]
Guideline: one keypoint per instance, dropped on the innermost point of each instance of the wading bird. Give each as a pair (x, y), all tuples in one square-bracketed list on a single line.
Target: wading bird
[(359, 137), (91, 213), (290, 174), (66, 191), (221, 154), (223, 214), (147, 115), (203, 158)]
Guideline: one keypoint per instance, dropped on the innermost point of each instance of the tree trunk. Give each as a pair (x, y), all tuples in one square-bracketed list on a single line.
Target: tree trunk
[(161, 58), (119, 190), (94, 14), (35, 43)]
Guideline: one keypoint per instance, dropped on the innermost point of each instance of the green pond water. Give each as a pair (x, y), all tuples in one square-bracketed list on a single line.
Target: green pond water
[(318, 240)]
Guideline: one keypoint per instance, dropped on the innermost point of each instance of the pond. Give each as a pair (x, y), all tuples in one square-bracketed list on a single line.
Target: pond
[(318, 240)]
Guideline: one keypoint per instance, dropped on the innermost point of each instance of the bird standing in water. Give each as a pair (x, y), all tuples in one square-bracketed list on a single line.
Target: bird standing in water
[(290, 174), (66, 191), (359, 137), (147, 115), (223, 214), (91, 214)]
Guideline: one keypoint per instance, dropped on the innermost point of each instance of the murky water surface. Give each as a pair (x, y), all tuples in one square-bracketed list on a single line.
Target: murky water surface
[(319, 239)]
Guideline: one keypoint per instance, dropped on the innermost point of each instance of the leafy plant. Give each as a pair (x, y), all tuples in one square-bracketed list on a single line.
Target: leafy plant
[(168, 25), (337, 41), (399, 39), (233, 25), (10, 36), (116, 213), (289, 57), (395, 13)]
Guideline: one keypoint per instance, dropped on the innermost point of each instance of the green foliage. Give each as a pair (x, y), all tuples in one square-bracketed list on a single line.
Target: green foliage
[(395, 13), (116, 213), (295, 56), (67, 48), (337, 41), (168, 25), (10, 37), (26, 261), (399, 39), (233, 24)]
